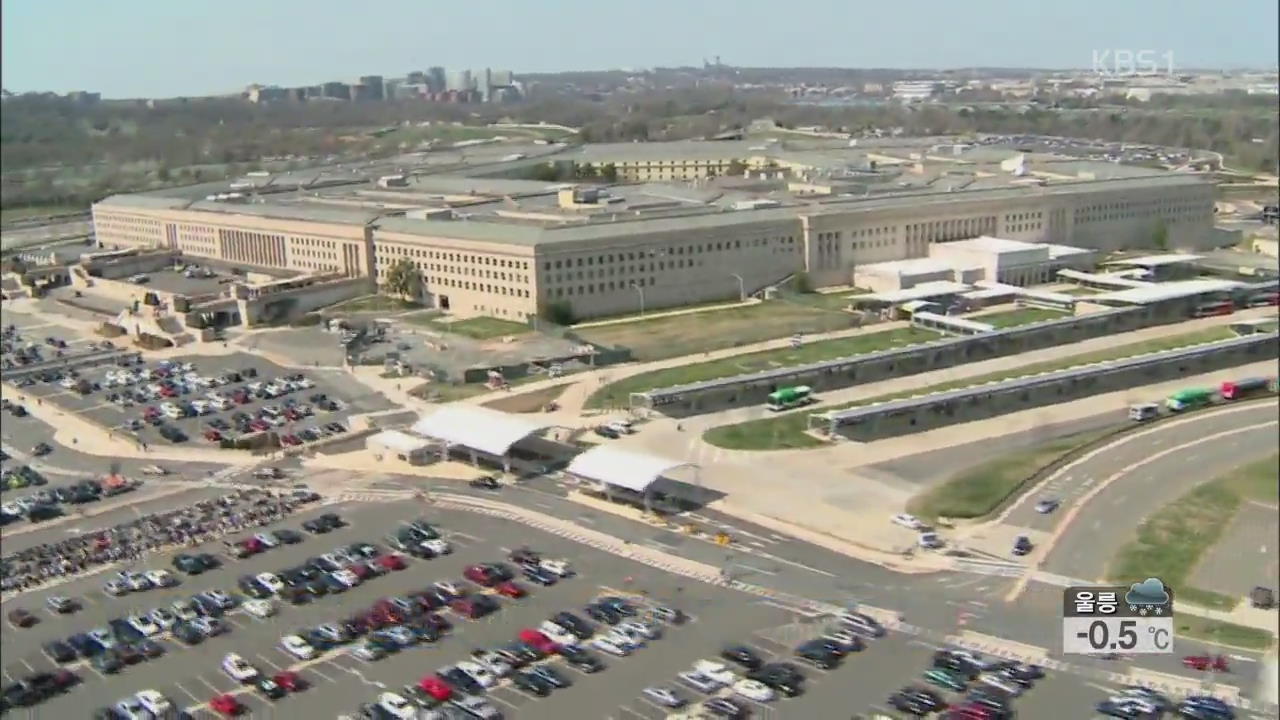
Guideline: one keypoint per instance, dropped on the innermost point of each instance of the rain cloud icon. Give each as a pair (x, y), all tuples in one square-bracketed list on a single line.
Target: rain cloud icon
[(1148, 592)]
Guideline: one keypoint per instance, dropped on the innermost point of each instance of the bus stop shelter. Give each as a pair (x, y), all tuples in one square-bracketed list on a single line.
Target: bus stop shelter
[(479, 431), (610, 468)]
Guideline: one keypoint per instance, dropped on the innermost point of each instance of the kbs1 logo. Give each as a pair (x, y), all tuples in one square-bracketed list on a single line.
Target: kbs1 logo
[(1122, 63)]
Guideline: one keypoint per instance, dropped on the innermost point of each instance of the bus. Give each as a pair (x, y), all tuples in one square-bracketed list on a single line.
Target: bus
[(1235, 389), (1186, 399), (790, 397)]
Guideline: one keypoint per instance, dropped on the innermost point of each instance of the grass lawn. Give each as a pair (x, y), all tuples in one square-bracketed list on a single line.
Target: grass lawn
[(1021, 316), (787, 431), (1200, 628), (375, 303), (692, 333), (1171, 541), (617, 394), (18, 213), (476, 328), (980, 490), (1256, 481)]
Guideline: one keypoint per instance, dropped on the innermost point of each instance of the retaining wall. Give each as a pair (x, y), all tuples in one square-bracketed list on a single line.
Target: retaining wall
[(754, 389), (914, 415)]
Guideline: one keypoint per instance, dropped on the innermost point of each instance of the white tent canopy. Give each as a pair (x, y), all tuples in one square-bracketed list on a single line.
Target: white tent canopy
[(398, 441), (478, 428), (631, 469)]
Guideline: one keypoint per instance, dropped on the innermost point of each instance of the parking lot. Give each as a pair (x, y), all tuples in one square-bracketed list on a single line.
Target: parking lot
[(222, 394), (340, 681)]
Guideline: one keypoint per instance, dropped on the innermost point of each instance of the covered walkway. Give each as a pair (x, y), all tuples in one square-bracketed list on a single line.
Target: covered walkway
[(635, 474), (482, 432)]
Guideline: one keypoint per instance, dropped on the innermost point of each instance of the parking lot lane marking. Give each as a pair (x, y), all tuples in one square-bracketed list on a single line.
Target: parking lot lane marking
[(467, 536), (213, 688), (316, 669), (188, 693), (269, 662), (30, 667), (755, 569), (505, 701)]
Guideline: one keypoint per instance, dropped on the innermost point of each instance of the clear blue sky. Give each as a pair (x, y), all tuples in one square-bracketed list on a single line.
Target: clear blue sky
[(158, 48)]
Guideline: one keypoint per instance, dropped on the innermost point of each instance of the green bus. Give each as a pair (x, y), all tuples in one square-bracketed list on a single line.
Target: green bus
[(1190, 398), (790, 397)]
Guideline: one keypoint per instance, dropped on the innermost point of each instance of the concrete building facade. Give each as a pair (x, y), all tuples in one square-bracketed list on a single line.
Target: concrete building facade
[(511, 262)]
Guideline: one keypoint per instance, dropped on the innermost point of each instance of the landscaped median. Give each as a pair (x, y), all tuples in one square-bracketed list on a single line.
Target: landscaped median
[(618, 394), (1171, 542), (789, 431)]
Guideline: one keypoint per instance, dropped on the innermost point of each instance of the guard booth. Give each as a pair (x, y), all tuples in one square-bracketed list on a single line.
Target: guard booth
[(482, 436)]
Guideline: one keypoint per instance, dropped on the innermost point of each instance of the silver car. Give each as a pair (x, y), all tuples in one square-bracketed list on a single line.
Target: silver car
[(664, 697)]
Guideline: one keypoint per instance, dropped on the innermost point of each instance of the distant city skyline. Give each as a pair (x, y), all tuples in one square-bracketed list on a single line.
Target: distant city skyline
[(149, 48)]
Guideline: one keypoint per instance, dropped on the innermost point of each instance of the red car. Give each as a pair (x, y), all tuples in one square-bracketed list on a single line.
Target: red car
[(290, 680), (391, 562), (361, 570), (511, 589), (253, 545), (168, 392), (538, 641), (241, 397), (259, 425), (226, 704), (485, 575), (436, 687), (1212, 663), (212, 435)]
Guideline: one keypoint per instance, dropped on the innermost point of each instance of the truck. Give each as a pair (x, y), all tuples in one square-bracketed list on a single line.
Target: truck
[(1235, 389), (790, 397), (1187, 399)]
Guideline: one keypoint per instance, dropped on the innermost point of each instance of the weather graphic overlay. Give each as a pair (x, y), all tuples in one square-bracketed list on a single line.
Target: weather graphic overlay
[(1109, 620)]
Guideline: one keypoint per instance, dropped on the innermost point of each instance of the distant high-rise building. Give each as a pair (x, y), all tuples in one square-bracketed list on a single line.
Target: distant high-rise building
[(459, 81), (374, 89), (484, 85), (336, 90), (501, 78), (417, 77), (435, 79), (83, 97)]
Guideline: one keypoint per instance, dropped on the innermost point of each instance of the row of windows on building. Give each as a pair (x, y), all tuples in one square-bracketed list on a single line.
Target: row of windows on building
[(393, 252), (952, 229), (625, 270), (598, 288), (699, 249), (1170, 210)]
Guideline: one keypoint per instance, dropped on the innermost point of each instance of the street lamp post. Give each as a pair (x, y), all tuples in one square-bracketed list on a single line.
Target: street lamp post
[(742, 287), (641, 291)]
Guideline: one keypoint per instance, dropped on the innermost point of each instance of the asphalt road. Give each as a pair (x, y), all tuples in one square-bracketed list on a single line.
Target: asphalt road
[(1196, 452)]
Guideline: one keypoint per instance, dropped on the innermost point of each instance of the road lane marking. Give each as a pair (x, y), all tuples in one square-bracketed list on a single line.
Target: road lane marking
[(187, 692), (755, 569)]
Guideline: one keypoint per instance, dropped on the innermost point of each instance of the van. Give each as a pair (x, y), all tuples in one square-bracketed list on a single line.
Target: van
[(171, 411), (1141, 412)]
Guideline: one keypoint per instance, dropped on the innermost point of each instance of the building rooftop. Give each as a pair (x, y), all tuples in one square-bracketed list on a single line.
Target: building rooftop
[(923, 291), (1165, 291), (993, 245), (1149, 261), (914, 266)]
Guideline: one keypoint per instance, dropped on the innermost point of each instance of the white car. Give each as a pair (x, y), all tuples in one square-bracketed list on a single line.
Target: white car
[(605, 645), (623, 640), (844, 638), (700, 682), (239, 669), (559, 568), (448, 587), (1006, 686), (911, 522), (397, 706), (930, 541), (297, 647), (163, 618), (477, 672), (493, 662), (862, 624), (664, 697), (335, 559), (154, 703), (717, 670), (154, 470), (753, 690), (270, 581), (260, 608), (266, 540), (640, 631), (209, 626), (135, 581), (346, 577), (143, 624), (131, 709), (558, 635), (161, 578), (438, 546)]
